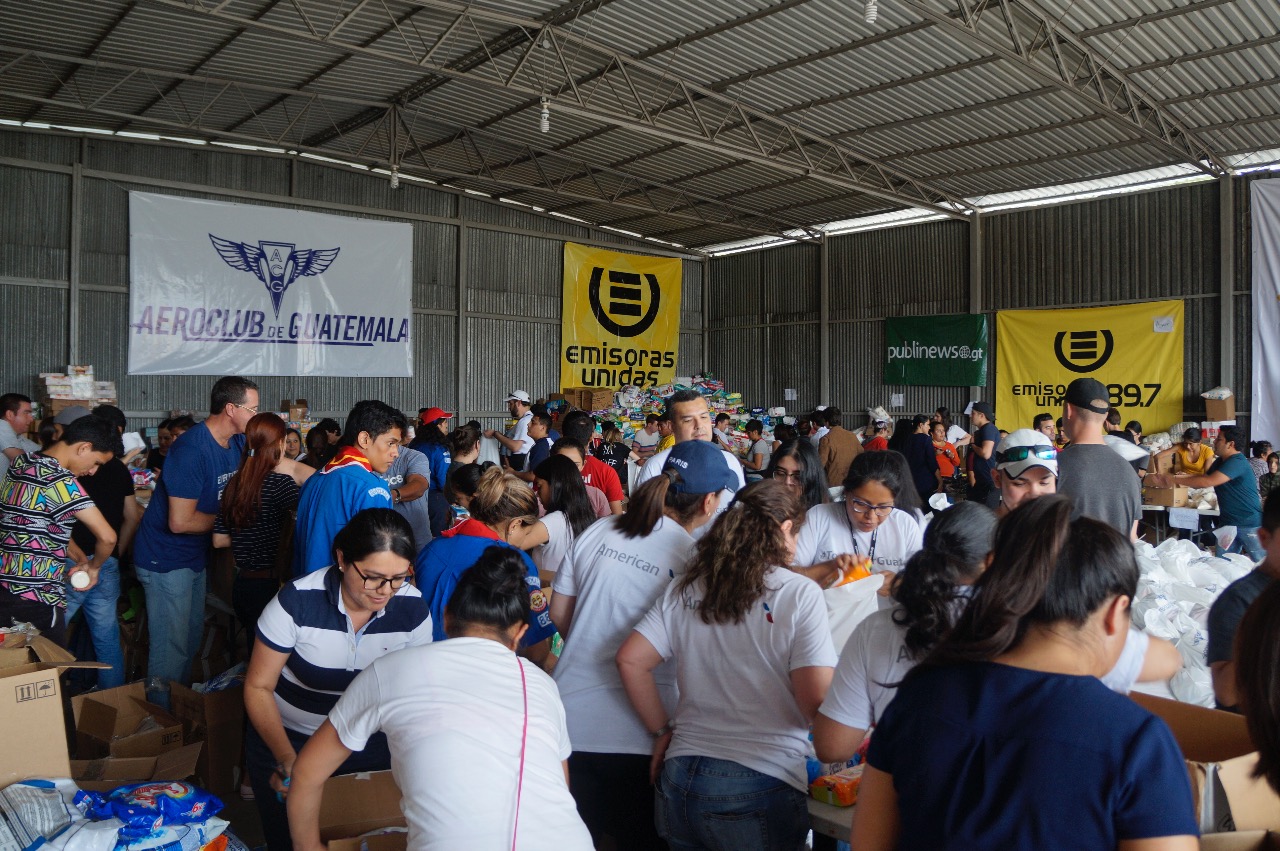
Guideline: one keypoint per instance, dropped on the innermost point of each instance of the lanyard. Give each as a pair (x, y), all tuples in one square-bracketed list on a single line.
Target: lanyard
[(853, 533)]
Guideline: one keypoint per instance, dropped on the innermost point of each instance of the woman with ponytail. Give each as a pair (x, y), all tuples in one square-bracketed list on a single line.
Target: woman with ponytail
[(753, 659), (930, 593), (251, 519), (563, 495), (478, 733), (502, 507), (613, 574), (1004, 737)]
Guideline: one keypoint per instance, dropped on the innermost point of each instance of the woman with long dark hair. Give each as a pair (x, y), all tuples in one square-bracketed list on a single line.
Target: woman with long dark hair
[(876, 524), (1004, 737), (921, 458), (614, 573), (730, 762), (253, 517), (563, 496), (929, 595), (479, 734), (796, 464)]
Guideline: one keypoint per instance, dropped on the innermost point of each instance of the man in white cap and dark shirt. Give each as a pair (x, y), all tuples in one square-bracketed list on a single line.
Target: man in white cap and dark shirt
[(1099, 481), (516, 442), (690, 419)]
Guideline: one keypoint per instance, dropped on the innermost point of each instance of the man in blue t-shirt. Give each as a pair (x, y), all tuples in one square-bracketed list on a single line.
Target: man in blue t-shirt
[(984, 454), (172, 546), (1232, 478), (349, 483)]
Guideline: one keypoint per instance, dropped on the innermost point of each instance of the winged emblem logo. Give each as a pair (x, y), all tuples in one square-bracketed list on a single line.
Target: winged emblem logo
[(277, 264)]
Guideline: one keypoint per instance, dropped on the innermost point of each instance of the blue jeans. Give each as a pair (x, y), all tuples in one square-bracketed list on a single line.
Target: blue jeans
[(1246, 542), (100, 615), (719, 805), (175, 620)]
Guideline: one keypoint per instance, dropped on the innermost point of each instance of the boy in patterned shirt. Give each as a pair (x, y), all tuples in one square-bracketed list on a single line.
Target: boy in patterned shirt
[(40, 500)]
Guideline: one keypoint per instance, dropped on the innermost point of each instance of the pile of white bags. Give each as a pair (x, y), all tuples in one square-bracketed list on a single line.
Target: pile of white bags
[(1177, 585)]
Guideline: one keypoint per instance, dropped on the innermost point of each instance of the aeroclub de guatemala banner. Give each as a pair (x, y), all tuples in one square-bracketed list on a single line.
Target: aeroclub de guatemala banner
[(1134, 349), (219, 289), (1265, 404), (944, 351), (621, 320)]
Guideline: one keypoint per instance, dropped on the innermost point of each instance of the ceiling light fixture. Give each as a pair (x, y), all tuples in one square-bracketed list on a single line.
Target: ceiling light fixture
[(871, 11), (544, 118), (395, 177)]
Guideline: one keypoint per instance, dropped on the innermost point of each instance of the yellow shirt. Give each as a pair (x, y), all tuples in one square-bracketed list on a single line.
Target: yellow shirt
[(1197, 462), (666, 443)]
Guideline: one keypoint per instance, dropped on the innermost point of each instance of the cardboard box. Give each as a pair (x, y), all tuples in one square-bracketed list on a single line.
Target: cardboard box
[(1218, 410), (296, 408), (1220, 761), (108, 722), (31, 711), (217, 719), (103, 775), (1162, 465), (1175, 497), (358, 803)]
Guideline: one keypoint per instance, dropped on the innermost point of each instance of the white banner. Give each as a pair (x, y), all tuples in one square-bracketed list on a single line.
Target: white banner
[(236, 289), (1265, 404)]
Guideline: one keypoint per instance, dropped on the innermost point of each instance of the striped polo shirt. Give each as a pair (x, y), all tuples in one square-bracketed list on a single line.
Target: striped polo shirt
[(308, 620)]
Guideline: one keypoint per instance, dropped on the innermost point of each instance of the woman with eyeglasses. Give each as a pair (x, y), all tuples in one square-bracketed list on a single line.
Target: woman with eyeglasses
[(867, 528), (796, 464), (501, 510), (1003, 737), (321, 630)]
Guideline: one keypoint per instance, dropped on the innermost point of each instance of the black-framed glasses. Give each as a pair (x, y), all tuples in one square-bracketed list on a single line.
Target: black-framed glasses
[(787, 477), (375, 583), (858, 506), (1021, 453)]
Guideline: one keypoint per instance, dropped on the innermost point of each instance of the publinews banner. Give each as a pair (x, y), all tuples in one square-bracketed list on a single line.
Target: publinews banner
[(621, 320), (942, 351), (1134, 349), (220, 289), (1265, 403)]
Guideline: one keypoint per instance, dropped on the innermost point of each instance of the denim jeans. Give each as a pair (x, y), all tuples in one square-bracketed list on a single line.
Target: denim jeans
[(1246, 542), (175, 620), (719, 805), (100, 615)]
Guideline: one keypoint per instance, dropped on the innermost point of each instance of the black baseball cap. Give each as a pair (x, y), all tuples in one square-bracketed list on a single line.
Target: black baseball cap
[(986, 408), (1090, 394)]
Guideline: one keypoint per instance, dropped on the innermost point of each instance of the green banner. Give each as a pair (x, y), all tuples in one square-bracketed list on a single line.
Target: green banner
[(940, 351)]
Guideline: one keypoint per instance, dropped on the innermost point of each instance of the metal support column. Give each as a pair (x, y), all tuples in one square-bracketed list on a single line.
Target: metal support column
[(461, 329), (706, 313), (824, 322), (1227, 283), (73, 271), (976, 304)]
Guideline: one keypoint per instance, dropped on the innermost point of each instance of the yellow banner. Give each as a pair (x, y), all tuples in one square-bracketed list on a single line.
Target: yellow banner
[(621, 320), (1134, 349)]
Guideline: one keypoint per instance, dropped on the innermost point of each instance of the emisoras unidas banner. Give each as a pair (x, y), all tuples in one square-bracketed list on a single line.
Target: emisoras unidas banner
[(222, 289)]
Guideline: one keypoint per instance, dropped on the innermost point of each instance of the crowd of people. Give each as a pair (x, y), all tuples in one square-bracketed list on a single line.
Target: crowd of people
[(403, 600)]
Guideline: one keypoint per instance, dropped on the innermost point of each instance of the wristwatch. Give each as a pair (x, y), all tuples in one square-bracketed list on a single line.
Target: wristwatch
[(663, 730), (395, 496)]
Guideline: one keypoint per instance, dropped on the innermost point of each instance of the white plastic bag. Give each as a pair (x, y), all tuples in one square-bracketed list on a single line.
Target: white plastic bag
[(849, 605)]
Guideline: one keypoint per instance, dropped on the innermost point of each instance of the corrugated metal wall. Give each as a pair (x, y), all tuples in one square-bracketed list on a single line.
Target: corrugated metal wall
[(1163, 244), (512, 271)]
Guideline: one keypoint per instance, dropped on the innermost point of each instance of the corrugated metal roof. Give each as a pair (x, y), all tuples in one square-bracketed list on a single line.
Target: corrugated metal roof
[(910, 92)]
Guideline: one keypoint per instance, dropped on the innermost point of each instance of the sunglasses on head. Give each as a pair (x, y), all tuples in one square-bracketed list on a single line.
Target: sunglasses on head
[(1021, 453)]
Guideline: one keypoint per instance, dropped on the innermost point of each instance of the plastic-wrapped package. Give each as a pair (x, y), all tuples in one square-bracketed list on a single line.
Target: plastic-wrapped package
[(147, 807), (43, 814)]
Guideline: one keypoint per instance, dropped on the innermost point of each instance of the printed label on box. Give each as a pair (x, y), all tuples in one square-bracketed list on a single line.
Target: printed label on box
[(35, 691)]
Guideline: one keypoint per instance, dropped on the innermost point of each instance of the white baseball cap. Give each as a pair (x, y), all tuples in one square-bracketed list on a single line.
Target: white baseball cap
[(1024, 449), (518, 396)]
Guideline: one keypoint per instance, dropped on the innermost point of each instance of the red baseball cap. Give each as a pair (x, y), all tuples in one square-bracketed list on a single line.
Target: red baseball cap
[(430, 415)]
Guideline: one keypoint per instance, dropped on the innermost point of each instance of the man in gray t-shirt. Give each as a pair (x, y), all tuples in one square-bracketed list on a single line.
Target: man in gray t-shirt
[(408, 477), (1099, 481)]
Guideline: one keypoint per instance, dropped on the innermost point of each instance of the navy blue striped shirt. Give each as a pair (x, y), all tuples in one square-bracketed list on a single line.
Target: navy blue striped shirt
[(308, 620)]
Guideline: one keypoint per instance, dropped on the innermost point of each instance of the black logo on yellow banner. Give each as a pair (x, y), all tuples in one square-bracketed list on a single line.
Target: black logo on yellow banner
[(626, 299), (1086, 350)]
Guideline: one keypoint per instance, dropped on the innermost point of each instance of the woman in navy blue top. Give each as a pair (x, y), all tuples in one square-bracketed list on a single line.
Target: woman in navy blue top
[(1003, 736)]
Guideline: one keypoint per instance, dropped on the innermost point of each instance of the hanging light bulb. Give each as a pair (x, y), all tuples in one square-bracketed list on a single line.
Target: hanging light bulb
[(395, 177), (544, 118), (871, 11)]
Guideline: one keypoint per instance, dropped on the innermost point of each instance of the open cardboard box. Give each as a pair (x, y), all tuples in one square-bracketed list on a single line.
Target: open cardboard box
[(355, 804), (31, 711), (1175, 497), (107, 724), (216, 718), (1220, 760), (103, 775)]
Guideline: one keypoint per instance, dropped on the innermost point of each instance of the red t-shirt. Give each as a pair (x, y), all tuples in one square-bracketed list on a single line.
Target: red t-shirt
[(599, 474)]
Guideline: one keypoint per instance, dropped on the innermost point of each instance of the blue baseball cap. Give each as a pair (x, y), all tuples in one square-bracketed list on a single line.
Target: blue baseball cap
[(702, 466)]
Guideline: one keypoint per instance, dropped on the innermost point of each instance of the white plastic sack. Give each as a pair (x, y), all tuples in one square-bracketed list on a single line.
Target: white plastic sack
[(39, 814), (849, 605), (489, 451)]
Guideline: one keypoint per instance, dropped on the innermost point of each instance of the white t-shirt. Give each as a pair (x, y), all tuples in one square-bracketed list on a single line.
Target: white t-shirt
[(454, 715), (827, 533), (616, 580), (736, 700), (548, 556), (520, 433), (818, 435), (653, 467), (644, 440)]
